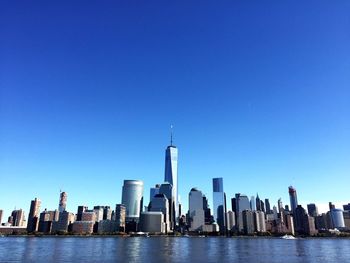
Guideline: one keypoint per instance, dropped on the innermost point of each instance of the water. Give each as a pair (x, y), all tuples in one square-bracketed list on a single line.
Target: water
[(172, 249)]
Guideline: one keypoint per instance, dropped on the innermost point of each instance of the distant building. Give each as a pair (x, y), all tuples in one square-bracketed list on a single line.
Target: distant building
[(196, 212), (89, 215), (252, 203), (171, 176), (132, 198), (62, 202), (331, 206), (18, 218), (160, 203), (293, 198), (107, 227), (231, 221), (45, 222), (248, 222), (259, 221), (166, 189), (83, 227), (219, 203), (208, 218), (267, 206), (33, 217), (304, 224), (64, 222), (153, 191), (337, 218), (280, 205), (80, 211), (99, 210), (242, 204), (1, 213), (346, 207), (312, 210), (152, 222), (120, 213)]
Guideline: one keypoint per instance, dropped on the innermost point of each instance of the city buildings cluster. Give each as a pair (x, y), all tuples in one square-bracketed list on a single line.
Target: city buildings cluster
[(164, 215)]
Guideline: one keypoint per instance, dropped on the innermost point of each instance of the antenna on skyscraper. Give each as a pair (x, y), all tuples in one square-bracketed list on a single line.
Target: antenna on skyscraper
[(171, 135)]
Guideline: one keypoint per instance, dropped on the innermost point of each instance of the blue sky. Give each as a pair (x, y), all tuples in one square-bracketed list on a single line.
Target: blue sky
[(258, 93)]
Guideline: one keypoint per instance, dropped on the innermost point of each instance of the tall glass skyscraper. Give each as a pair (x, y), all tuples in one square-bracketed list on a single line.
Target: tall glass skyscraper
[(293, 198), (170, 175), (132, 199), (219, 203)]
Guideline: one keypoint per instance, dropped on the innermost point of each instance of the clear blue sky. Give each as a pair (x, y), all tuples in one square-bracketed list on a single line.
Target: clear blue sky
[(258, 92)]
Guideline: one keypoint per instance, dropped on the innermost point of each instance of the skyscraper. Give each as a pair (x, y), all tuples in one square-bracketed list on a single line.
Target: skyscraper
[(33, 217), (312, 210), (63, 202), (153, 191), (293, 198), (132, 198), (170, 175), (196, 212), (1, 212), (219, 203), (267, 206)]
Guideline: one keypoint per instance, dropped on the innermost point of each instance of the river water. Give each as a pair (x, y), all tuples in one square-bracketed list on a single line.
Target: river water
[(172, 249)]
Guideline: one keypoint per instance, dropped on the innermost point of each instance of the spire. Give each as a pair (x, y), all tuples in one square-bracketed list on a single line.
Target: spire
[(171, 135)]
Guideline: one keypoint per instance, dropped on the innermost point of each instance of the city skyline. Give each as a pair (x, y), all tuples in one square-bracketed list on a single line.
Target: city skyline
[(258, 95)]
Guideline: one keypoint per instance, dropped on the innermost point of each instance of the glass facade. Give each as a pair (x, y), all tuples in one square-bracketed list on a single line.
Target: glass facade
[(132, 198), (219, 203), (293, 198), (170, 175)]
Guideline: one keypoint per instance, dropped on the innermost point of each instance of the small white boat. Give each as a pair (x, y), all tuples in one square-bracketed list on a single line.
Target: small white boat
[(288, 237)]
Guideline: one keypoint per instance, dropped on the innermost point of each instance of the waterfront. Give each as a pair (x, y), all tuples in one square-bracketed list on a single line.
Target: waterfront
[(172, 249)]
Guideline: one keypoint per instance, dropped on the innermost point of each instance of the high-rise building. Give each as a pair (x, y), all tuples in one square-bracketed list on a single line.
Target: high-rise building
[(259, 221), (331, 206), (258, 203), (337, 218), (160, 203), (208, 218), (63, 202), (120, 212), (267, 206), (293, 198), (280, 205), (231, 221), (196, 212), (312, 210), (1, 212), (81, 210), (33, 217), (219, 203), (170, 175), (65, 220), (252, 203), (346, 207), (248, 222), (132, 198), (17, 217), (153, 191), (242, 204), (45, 222), (167, 190)]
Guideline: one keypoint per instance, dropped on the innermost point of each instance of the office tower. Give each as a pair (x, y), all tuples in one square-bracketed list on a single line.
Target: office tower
[(107, 213), (274, 212), (304, 224), (231, 221), (346, 207), (196, 212), (152, 222), (65, 220), (167, 190), (132, 198), (17, 217), (153, 191), (170, 175), (33, 217), (331, 206), (293, 198), (83, 227), (160, 203), (337, 218), (120, 213), (280, 205), (242, 203), (45, 222), (219, 203), (312, 210), (1, 212), (248, 222), (258, 203), (252, 203), (286, 208), (89, 215), (267, 206), (259, 221), (233, 205), (80, 211), (208, 218), (63, 202), (99, 211)]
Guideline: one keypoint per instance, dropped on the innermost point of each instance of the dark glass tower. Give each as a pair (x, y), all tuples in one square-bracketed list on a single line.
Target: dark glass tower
[(293, 198)]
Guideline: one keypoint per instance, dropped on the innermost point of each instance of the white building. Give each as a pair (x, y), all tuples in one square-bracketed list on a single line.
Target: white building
[(196, 211)]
